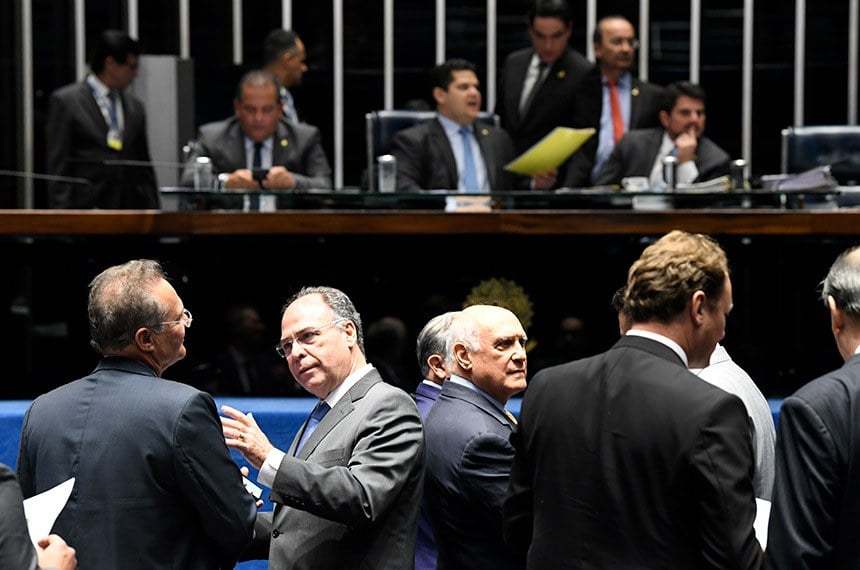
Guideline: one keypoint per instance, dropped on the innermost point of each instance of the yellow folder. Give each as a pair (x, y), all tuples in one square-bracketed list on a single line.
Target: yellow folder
[(550, 152)]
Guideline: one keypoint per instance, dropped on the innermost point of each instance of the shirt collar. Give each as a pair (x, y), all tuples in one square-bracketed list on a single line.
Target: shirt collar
[(624, 82), (96, 84), (450, 127), (335, 395), (662, 340), (470, 385)]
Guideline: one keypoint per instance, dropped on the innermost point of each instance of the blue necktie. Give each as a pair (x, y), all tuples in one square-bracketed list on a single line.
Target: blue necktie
[(317, 415), (113, 96), (470, 173)]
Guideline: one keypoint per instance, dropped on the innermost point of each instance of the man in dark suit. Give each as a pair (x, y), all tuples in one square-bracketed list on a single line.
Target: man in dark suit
[(16, 549), (348, 490), (155, 486), (641, 152), (537, 91), (626, 459), (611, 100), (284, 57), (467, 432), (291, 155), (816, 499), (94, 122), (453, 152), (430, 350)]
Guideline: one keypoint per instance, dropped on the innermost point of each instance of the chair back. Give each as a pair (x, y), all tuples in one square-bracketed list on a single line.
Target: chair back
[(804, 148), (382, 125)]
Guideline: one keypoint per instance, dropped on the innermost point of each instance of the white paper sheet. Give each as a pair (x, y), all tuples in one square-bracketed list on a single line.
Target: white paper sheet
[(43, 509)]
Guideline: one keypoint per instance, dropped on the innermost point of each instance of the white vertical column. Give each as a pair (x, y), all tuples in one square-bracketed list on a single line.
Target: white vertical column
[(237, 32), (590, 24), (388, 53), (490, 88), (133, 31), (287, 14), (440, 31), (27, 98), (799, 57), (80, 40), (695, 40), (747, 83), (184, 29), (338, 93), (644, 38), (853, 31)]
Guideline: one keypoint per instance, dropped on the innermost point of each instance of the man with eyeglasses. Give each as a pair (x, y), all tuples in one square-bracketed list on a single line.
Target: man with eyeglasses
[(94, 124), (155, 485), (537, 90), (611, 100), (348, 490)]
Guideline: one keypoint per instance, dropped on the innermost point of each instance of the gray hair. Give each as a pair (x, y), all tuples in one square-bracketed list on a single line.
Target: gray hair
[(432, 340), (121, 300), (463, 330), (339, 303), (843, 282)]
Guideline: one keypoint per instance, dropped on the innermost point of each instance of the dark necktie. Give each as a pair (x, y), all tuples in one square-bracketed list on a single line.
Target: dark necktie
[(542, 66), (317, 415), (470, 172), (258, 155)]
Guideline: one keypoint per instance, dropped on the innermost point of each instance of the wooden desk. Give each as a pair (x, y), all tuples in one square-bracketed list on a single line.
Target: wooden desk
[(371, 222)]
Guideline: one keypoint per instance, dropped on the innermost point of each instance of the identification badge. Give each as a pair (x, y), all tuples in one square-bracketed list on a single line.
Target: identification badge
[(114, 140)]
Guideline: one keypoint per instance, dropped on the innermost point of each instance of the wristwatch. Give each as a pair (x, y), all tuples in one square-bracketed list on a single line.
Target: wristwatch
[(222, 180)]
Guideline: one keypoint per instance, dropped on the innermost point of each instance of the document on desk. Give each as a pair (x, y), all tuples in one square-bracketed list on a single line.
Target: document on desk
[(43, 509), (550, 152)]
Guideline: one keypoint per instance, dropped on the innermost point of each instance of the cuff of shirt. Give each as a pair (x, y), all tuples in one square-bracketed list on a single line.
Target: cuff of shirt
[(270, 466)]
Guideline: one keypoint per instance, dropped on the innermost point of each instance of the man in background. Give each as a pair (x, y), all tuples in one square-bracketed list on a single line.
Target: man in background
[(94, 126), (284, 57), (255, 149), (454, 152), (611, 100), (641, 152), (537, 91)]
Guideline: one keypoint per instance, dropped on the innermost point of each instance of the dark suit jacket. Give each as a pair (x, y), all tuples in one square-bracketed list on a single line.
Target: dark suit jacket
[(16, 550), (815, 516), (425, 160), (155, 486), (635, 153), (76, 137), (554, 104), (296, 147), (468, 464), (627, 460), (351, 497), (646, 99), (425, 545)]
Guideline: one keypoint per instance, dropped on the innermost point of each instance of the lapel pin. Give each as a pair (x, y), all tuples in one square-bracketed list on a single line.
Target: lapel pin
[(485, 132), (634, 91), (284, 142), (561, 74)]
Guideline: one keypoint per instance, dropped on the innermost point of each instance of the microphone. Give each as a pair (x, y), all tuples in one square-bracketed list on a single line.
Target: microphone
[(48, 177)]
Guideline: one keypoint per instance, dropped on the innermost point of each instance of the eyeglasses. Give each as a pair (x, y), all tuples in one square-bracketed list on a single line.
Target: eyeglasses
[(618, 42), (307, 337), (185, 319)]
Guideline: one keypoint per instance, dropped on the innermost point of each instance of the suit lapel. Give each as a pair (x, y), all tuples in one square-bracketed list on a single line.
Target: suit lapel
[(457, 392), (490, 158), (519, 78), (87, 102), (341, 410), (439, 140), (281, 145)]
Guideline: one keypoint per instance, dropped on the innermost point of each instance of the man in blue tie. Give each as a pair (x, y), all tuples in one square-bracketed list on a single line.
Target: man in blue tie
[(348, 490), (454, 152)]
